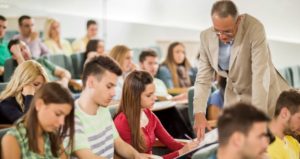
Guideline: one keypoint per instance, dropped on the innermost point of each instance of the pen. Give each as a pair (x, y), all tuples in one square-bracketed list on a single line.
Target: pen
[(188, 137)]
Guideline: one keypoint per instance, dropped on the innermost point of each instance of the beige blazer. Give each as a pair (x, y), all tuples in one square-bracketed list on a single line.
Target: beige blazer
[(252, 77)]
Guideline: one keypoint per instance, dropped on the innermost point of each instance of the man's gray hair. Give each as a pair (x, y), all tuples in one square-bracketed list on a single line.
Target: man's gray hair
[(224, 8)]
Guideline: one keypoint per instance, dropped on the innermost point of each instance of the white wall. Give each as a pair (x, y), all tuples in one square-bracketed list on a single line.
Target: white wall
[(142, 23)]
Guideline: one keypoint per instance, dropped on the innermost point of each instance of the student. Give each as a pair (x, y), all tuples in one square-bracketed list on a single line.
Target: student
[(284, 124), (95, 47), (176, 70), (53, 40), (4, 53), (243, 134), (96, 135), (16, 97), (40, 133), (216, 100), (137, 124), (149, 63), (123, 55), (79, 45), (21, 53), (30, 36)]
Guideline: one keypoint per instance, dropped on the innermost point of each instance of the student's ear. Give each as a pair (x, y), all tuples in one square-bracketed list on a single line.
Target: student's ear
[(90, 82), (237, 139), (39, 103), (285, 113)]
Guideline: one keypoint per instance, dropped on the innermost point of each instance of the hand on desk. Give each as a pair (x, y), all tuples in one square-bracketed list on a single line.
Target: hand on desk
[(189, 146), (200, 125)]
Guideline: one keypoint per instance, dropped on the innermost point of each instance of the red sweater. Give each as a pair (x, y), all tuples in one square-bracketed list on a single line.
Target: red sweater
[(153, 129)]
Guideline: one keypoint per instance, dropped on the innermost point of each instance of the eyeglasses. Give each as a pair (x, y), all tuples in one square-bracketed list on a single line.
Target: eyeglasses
[(226, 33)]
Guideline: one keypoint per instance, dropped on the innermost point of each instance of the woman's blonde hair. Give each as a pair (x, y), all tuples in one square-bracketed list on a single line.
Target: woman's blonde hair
[(118, 53), (24, 74), (47, 29)]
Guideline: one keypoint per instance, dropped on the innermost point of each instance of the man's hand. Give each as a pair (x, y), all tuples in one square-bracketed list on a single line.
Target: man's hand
[(200, 123)]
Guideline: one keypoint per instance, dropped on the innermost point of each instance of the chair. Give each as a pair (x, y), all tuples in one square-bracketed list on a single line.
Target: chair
[(191, 100), (2, 86), (9, 67), (287, 74), (77, 62), (296, 76), (61, 60)]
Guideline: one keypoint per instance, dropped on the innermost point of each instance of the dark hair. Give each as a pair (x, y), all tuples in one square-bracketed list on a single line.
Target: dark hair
[(130, 105), (289, 99), (2, 18), (145, 53), (12, 43), (23, 17), (238, 118), (50, 93), (98, 65), (90, 22), (91, 46), (224, 8)]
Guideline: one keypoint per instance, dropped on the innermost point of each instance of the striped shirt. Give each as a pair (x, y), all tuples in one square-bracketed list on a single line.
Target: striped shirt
[(95, 132)]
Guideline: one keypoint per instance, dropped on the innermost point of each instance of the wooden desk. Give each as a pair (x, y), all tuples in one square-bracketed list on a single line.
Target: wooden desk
[(3, 126), (175, 91)]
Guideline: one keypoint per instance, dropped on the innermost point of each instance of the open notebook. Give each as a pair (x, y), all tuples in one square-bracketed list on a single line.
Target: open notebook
[(210, 138)]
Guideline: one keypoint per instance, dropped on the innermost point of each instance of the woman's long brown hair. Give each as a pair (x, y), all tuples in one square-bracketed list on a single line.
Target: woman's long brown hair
[(134, 85), (170, 63), (50, 93)]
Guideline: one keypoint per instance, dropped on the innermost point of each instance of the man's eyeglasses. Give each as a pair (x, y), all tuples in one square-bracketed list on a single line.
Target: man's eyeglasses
[(226, 33)]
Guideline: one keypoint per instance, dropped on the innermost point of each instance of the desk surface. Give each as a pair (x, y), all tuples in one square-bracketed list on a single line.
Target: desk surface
[(161, 105)]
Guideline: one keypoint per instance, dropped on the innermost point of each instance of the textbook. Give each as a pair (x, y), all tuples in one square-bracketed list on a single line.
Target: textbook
[(210, 138)]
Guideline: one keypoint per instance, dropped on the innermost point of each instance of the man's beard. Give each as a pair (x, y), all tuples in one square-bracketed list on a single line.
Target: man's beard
[(288, 131)]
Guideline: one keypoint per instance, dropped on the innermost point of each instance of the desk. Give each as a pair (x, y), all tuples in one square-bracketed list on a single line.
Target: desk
[(175, 91), (163, 105)]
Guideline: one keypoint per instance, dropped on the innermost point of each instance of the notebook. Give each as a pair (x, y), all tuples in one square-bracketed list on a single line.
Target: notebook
[(210, 138)]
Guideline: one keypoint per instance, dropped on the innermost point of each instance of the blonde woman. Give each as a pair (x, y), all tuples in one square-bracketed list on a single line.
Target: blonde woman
[(123, 55), (16, 97), (53, 39)]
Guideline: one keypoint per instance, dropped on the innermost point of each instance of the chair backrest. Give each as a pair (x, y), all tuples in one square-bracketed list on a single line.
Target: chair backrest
[(206, 152), (2, 86), (77, 61), (9, 67), (296, 76), (61, 60), (191, 101)]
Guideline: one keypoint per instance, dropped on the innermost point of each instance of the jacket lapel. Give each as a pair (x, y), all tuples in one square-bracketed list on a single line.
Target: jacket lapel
[(235, 50), (214, 50)]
